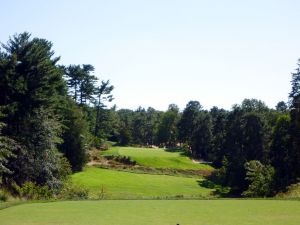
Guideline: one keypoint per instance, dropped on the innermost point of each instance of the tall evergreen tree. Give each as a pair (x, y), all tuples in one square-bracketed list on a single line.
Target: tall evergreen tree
[(280, 152), (103, 95), (187, 123), (76, 138), (295, 123), (32, 88), (167, 134)]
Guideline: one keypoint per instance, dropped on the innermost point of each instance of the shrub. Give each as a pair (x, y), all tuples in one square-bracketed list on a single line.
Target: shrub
[(293, 191), (71, 191), (32, 191), (260, 178), (125, 160), (3, 195), (94, 154)]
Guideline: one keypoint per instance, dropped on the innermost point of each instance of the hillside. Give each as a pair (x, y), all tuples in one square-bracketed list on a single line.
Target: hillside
[(158, 158), (132, 182)]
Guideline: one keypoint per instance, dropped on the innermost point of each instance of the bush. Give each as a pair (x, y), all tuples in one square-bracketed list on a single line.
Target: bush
[(71, 191), (3, 196), (260, 178), (125, 160), (94, 155), (293, 191), (32, 191)]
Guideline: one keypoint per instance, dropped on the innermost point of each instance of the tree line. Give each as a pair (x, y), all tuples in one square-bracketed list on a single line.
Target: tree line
[(254, 148), (51, 115)]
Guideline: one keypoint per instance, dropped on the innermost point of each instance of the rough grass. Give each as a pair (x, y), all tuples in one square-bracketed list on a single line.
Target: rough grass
[(158, 158), (113, 184), (153, 212)]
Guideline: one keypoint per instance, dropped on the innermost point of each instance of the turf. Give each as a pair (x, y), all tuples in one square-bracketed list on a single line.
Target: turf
[(126, 185), (153, 212), (158, 158)]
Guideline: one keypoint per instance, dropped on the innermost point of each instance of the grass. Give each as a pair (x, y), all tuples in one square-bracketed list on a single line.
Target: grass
[(158, 158), (153, 212), (126, 185)]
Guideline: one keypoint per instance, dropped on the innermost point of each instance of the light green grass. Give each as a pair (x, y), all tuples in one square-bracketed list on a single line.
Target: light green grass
[(157, 158), (153, 212), (125, 185)]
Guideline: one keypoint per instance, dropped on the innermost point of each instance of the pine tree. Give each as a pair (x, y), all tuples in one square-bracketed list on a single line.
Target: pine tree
[(295, 123)]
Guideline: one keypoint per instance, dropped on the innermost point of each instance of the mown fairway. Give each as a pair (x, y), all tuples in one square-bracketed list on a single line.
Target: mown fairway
[(157, 158), (154, 212), (126, 185)]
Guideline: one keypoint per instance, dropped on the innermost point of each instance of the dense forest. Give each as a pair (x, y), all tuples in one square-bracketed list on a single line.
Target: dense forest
[(51, 115)]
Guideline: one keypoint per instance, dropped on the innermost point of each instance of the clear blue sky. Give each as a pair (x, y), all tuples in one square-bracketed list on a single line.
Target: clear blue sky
[(157, 52)]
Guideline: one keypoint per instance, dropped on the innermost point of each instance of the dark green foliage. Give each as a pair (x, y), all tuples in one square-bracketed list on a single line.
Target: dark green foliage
[(167, 129), (124, 136), (254, 136), (195, 130), (151, 126), (260, 179), (144, 125), (219, 120), (186, 125), (75, 137), (28, 76), (40, 160), (4, 195), (81, 83), (8, 148), (295, 124), (125, 126), (201, 139), (103, 95), (138, 126), (247, 138), (32, 90), (280, 152), (281, 107)]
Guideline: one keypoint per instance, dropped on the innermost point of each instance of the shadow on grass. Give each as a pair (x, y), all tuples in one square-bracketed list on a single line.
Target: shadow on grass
[(182, 151), (219, 190)]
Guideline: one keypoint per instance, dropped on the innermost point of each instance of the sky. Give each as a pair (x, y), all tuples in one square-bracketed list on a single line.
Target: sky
[(158, 52)]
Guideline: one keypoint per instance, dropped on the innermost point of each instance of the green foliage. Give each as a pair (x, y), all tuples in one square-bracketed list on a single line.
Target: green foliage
[(32, 90), (41, 136), (218, 130), (280, 152), (186, 125), (201, 140), (76, 139), (32, 191), (247, 138), (81, 82), (293, 191), (167, 129), (4, 195), (71, 191), (7, 149), (295, 125), (103, 95), (260, 178)]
